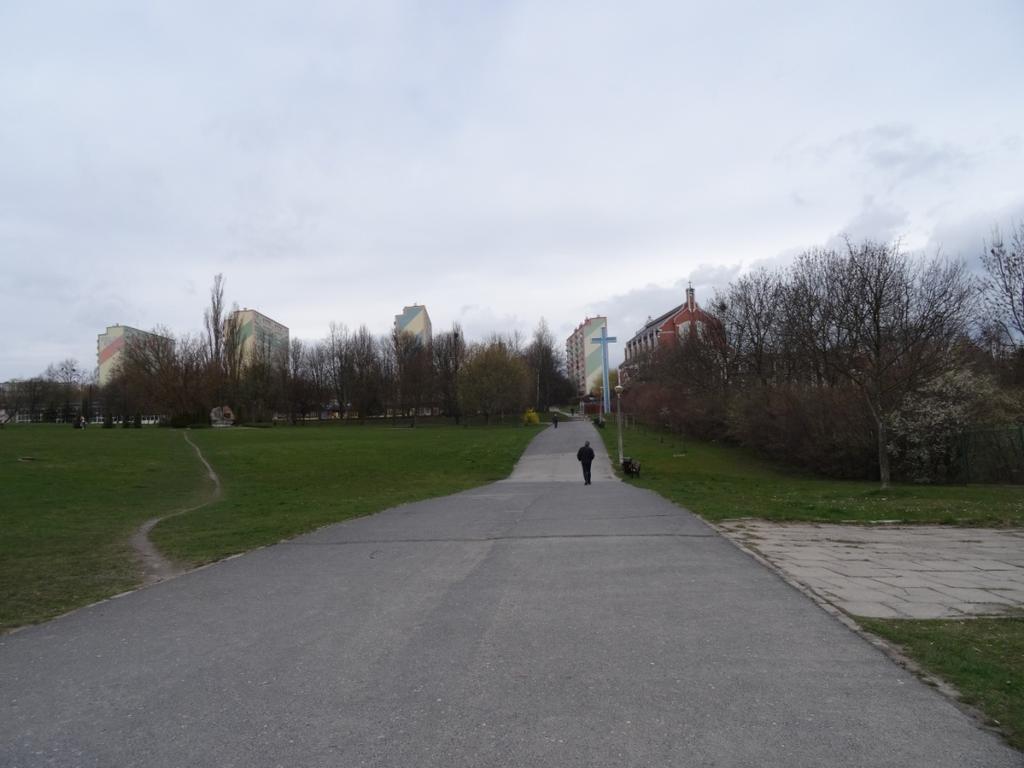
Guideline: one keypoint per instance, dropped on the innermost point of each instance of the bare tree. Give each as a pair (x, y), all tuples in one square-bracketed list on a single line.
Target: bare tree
[(368, 378), (297, 382), (33, 394), (750, 312), (810, 330), (213, 321), (338, 357), (547, 365), (318, 374), (410, 377), (449, 353), (67, 375), (232, 342), (164, 374), (897, 325), (264, 379), (213, 318), (1004, 284)]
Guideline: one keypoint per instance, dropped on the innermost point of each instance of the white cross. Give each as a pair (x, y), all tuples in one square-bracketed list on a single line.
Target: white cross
[(604, 340)]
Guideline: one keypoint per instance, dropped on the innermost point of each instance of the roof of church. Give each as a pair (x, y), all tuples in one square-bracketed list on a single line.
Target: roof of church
[(660, 319), (656, 322)]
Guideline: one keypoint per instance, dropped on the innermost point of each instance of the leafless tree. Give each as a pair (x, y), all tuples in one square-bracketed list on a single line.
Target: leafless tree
[(318, 374), (213, 318), (368, 378), (232, 342), (449, 353), (810, 330), (214, 323), (338, 356), (896, 322), (750, 312), (297, 382), (411, 373), (1004, 282), (546, 365), (67, 375), (159, 373)]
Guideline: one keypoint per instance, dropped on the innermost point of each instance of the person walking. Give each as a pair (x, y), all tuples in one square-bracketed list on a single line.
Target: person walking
[(554, 420), (585, 456)]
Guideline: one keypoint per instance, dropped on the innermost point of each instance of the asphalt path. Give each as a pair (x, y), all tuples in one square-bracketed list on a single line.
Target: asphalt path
[(532, 622)]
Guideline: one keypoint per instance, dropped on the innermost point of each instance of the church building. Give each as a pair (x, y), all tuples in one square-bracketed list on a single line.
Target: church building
[(686, 321)]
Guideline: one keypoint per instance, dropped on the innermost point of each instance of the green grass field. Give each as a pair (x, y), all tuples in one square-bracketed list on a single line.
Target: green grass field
[(983, 658), (71, 499), (284, 481), (720, 482)]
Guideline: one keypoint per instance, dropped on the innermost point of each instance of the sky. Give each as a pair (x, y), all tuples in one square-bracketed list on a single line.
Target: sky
[(497, 161)]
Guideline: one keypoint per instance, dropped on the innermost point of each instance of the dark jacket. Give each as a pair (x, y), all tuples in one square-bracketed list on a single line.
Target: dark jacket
[(585, 454)]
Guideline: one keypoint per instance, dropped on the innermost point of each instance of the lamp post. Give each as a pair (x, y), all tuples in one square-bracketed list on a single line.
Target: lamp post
[(618, 417)]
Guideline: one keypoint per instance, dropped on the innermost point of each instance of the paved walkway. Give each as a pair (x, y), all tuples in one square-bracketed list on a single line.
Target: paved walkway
[(526, 623), (891, 571)]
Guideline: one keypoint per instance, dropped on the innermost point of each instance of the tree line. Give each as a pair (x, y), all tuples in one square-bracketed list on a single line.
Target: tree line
[(861, 361), (346, 374), (62, 391)]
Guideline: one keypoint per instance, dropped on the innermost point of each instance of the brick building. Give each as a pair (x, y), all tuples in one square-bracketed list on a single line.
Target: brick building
[(685, 321)]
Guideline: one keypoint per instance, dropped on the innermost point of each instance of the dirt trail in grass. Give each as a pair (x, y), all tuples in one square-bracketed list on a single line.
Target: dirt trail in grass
[(156, 567)]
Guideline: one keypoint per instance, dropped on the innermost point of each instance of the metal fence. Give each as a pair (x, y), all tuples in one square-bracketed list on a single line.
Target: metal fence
[(992, 455)]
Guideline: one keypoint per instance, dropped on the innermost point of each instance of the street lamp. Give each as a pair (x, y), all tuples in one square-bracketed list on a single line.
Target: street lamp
[(618, 417)]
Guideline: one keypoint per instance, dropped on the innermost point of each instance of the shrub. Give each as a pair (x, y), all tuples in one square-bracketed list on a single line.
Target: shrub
[(824, 429), (925, 432)]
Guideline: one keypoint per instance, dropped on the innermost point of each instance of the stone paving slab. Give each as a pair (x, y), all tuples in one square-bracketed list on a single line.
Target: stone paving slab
[(896, 571)]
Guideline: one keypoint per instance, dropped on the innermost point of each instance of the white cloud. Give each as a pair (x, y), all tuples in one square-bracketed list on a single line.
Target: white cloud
[(525, 159)]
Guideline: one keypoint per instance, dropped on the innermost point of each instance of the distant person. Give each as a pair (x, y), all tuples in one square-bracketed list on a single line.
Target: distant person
[(585, 456), (554, 420)]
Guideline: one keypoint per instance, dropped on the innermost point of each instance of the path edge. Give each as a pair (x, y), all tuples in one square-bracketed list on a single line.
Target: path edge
[(892, 651)]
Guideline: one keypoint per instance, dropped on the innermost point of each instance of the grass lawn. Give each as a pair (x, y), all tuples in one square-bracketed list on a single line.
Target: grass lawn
[(721, 482), (68, 513), (983, 658), (71, 500), (284, 481)]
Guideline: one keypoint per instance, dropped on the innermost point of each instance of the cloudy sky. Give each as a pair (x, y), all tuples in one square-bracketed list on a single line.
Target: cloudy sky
[(498, 161)]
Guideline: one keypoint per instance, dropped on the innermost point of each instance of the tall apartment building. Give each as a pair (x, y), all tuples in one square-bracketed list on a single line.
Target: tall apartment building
[(260, 338), (110, 346), (584, 359), (416, 321)]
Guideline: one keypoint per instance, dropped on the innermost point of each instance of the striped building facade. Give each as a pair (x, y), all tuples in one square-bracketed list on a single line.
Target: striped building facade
[(415, 320), (260, 339), (584, 359), (110, 346)]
